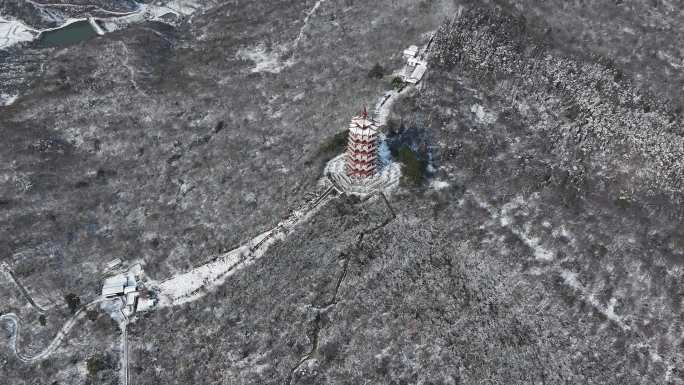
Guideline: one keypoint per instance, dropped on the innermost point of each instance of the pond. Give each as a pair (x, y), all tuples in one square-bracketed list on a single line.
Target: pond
[(67, 35)]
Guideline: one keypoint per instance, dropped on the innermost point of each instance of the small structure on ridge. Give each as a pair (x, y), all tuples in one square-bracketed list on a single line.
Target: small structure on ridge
[(415, 65), (362, 147), (125, 286)]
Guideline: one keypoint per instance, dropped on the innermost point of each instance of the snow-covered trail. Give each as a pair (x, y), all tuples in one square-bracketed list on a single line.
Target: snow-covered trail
[(131, 71), (188, 286), (270, 60), (54, 344), (302, 30), (196, 283), (503, 217)]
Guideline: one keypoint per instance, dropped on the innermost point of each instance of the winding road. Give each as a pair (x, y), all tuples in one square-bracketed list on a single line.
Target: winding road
[(54, 344), (123, 325)]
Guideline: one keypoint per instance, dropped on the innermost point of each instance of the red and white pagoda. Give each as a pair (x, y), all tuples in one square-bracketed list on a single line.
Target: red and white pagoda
[(362, 147)]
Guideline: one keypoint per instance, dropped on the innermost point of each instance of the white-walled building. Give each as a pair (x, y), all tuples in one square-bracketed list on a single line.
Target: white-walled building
[(415, 65), (125, 286), (417, 74), (115, 285), (411, 52)]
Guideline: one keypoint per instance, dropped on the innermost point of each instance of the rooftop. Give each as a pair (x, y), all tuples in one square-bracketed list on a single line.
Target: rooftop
[(411, 51), (363, 125), (118, 284), (417, 74)]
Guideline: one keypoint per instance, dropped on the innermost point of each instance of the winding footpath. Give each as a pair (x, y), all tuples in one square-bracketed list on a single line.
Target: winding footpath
[(315, 339), (311, 12)]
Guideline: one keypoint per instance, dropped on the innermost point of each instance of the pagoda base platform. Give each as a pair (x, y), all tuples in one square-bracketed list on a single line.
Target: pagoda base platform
[(386, 178)]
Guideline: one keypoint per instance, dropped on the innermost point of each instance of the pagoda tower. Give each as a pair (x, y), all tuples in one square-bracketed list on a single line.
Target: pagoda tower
[(362, 147)]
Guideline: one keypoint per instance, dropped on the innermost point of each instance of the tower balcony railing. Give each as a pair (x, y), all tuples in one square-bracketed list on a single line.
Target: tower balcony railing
[(362, 157), (361, 166), (363, 138), (360, 174), (357, 147)]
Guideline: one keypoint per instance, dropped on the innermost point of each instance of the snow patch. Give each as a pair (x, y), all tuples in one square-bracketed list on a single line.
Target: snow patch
[(14, 31), (95, 26), (187, 287), (178, 7), (7, 100), (534, 243), (482, 115), (152, 12), (384, 152), (264, 60), (439, 184), (506, 220), (676, 63), (570, 279)]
